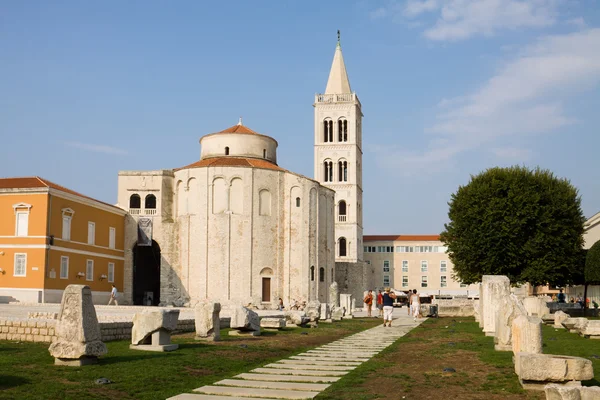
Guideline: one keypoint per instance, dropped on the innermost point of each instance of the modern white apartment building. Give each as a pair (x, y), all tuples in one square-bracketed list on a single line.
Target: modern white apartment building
[(406, 262)]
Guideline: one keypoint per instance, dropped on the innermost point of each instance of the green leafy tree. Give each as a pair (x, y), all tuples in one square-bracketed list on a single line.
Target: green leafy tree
[(522, 223), (592, 270)]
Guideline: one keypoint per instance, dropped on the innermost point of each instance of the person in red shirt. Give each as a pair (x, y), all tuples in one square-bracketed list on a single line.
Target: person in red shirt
[(368, 300), (380, 303)]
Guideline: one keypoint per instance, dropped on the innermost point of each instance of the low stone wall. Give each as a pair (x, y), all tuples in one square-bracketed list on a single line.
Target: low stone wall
[(36, 330), (455, 307)]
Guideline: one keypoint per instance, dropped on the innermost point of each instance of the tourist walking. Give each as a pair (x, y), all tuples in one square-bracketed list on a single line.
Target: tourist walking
[(280, 304), (561, 296), (380, 303), (415, 304), (113, 296), (388, 306), (368, 300)]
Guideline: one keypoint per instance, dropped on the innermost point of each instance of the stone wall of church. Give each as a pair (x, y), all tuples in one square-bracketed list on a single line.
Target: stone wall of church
[(354, 278)]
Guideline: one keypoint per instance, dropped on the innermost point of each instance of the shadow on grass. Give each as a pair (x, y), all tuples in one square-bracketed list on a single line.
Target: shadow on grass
[(137, 357), (8, 381)]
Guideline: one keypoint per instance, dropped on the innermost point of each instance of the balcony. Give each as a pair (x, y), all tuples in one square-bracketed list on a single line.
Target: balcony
[(141, 211), (337, 98), (341, 218)]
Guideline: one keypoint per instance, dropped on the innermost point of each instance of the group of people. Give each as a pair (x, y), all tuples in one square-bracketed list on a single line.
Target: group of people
[(561, 298), (385, 305)]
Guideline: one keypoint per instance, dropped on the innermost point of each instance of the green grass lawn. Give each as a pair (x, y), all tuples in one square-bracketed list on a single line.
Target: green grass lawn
[(27, 370)]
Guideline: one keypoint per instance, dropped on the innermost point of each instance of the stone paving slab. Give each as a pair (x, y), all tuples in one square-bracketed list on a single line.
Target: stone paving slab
[(330, 359), (189, 396), (287, 378), (343, 352), (312, 367), (298, 372), (336, 355), (253, 392), (318, 362), (312, 387)]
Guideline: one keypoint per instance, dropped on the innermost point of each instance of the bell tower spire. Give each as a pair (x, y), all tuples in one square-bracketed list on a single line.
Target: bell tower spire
[(338, 82)]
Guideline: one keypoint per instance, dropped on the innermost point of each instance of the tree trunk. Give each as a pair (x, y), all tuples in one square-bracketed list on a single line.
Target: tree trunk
[(585, 304)]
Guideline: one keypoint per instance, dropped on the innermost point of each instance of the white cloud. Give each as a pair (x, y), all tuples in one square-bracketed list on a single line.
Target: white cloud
[(97, 148), (577, 22), (525, 97), (462, 19), (381, 12), (512, 153)]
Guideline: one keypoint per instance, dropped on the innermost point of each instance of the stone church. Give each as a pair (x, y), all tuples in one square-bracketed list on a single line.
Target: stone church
[(236, 227)]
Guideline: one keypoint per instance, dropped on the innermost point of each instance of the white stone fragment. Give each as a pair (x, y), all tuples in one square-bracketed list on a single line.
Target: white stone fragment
[(552, 368), (245, 320), (493, 289), (208, 323), (527, 334), (272, 323), (510, 308), (559, 318)]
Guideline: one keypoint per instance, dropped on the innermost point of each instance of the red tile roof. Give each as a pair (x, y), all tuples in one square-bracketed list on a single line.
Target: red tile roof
[(233, 162), (32, 182), (399, 238), (238, 128)]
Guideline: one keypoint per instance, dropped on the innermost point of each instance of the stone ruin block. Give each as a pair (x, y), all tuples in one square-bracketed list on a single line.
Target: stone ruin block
[(78, 339), (493, 289), (244, 322), (527, 334), (152, 330), (560, 392), (334, 295), (313, 310), (575, 325), (591, 330), (208, 322), (509, 309), (476, 312), (536, 306), (559, 317), (272, 323), (295, 319), (338, 313), (325, 312), (535, 371), (346, 302)]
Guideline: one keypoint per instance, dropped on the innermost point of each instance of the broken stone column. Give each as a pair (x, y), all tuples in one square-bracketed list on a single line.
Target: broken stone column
[(537, 370), (325, 312), (313, 310), (591, 330), (527, 334), (208, 322), (334, 295), (78, 339), (476, 310), (559, 317), (338, 314), (561, 392), (575, 325), (510, 308), (536, 306), (244, 322), (272, 323), (480, 305), (353, 305), (346, 302), (152, 330), (494, 288)]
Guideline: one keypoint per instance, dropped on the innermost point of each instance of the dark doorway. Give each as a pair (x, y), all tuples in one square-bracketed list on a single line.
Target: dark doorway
[(266, 289), (146, 275)]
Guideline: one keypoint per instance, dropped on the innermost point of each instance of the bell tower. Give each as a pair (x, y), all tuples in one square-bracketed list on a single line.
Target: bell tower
[(338, 157)]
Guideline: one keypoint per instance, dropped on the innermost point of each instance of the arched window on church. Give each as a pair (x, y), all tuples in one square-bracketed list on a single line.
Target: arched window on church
[(342, 211), (226, 151), (342, 247), (150, 202), (264, 153), (297, 201), (328, 130), (342, 130), (328, 167), (342, 171), (135, 201), (321, 274), (312, 273)]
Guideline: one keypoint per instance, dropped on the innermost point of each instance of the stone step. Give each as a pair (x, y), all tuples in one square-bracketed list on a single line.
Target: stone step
[(287, 378), (314, 357), (311, 387), (316, 362), (336, 355), (343, 352), (189, 396), (298, 372), (311, 367), (253, 392)]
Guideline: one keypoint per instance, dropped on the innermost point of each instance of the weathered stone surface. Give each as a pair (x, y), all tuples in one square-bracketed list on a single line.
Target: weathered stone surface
[(590, 392), (455, 308), (325, 311), (150, 321), (334, 295), (338, 313), (272, 323), (296, 317), (536, 306), (208, 323), (313, 310), (527, 334), (575, 325), (559, 317), (494, 288), (346, 302), (552, 368), (476, 310), (77, 330), (559, 392), (510, 308), (243, 319), (353, 305), (592, 329)]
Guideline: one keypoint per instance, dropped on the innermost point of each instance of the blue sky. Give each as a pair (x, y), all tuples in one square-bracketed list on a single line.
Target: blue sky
[(448, 87)]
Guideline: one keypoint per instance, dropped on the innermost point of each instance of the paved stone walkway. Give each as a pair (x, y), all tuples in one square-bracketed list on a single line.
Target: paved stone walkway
[(305, 375)]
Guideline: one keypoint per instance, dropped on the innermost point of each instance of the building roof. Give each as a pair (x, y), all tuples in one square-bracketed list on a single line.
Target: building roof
[(338, 82), (400, 238), (233, 162), (33, 182), (239, 128)]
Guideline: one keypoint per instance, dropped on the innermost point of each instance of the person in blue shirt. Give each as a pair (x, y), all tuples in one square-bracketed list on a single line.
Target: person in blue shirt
[(388, 307), (561, 297)]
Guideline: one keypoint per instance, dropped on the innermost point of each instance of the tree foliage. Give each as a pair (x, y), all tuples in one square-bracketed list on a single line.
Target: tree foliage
[(522, 223), (592, 264)]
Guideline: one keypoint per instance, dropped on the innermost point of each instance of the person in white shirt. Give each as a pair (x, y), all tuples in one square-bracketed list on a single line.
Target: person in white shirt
[(113, 296)]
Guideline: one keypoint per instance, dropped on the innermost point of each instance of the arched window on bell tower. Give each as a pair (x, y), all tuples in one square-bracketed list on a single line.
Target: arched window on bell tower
[(327, 130), (342, 171), (342, 247), (342, 130), (342, 211), (328, 168)]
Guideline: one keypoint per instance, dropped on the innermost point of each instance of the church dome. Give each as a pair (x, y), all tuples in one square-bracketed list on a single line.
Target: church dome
[(238, 141)]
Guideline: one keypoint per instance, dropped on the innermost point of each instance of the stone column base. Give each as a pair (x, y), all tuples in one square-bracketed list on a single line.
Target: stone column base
[(154, 347), (77, 362)]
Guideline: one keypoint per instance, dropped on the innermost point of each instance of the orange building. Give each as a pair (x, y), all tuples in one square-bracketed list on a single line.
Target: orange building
[(51, 237)]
